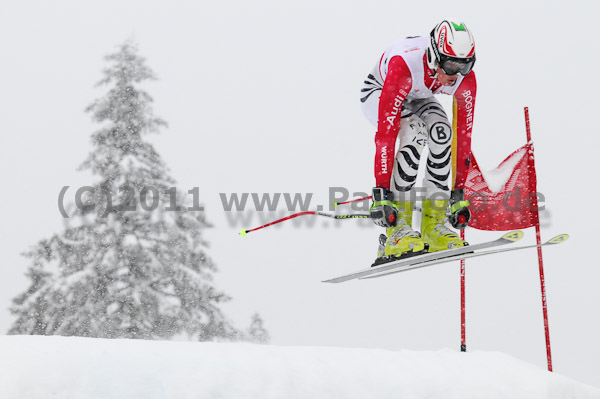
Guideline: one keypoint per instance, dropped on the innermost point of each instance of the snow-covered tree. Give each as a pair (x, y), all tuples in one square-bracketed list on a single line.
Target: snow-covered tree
[(128, 265), (257, 332)]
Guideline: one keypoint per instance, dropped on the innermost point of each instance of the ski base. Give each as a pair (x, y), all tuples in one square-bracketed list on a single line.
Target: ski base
[(555, 240), (507, 238)]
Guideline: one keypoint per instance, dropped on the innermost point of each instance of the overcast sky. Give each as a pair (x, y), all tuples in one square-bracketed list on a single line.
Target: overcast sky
[(262, 97)]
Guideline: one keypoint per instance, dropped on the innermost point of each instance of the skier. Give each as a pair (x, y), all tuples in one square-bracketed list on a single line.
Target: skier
[(398, 98)]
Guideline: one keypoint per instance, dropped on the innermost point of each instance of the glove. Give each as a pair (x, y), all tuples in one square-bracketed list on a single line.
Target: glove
[(383, 211), (459, 213)]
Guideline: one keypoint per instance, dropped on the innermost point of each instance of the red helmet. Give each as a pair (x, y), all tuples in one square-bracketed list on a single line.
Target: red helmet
[(452, 48)]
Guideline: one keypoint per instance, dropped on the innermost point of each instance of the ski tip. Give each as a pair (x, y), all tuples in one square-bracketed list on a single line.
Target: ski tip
[(243, 232), (558, 239), (513, 235)]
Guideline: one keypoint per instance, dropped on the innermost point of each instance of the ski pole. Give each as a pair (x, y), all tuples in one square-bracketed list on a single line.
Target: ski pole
[(336, 204), (316, 213)]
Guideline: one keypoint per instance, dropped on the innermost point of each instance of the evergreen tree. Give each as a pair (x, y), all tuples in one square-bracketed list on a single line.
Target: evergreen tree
[(127, 264), (257, 332)]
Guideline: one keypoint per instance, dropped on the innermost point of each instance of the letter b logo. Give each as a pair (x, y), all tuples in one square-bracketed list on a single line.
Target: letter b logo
[(441, 133)]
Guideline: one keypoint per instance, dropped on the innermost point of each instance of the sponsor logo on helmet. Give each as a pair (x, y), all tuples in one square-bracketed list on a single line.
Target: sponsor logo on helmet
[(442, 38), (443, 42)]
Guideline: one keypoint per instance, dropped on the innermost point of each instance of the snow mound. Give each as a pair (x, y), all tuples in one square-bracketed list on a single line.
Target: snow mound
[(77, 368)]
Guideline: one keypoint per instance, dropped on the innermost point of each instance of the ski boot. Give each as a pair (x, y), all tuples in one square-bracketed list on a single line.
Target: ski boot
[(433, 228), (401, 240)]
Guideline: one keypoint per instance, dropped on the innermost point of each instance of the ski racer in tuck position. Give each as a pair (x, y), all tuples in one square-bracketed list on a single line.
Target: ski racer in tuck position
[(398, 98)]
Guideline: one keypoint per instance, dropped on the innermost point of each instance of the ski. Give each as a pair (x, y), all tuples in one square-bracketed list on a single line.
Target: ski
[(555, 240), (507, 238)]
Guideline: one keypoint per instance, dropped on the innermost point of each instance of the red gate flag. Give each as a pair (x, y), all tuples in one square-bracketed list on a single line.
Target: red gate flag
[(503, 198)]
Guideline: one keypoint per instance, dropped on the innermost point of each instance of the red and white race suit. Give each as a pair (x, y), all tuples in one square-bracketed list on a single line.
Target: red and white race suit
[(398, 98)]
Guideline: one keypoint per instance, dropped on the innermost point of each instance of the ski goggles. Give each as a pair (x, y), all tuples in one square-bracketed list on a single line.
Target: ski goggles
[(452, 66)]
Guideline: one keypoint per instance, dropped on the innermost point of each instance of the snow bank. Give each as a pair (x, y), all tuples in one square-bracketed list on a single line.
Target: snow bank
[(80, 368)]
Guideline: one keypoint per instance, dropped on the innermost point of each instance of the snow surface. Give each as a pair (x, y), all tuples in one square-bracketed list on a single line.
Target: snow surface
[(61, 367)]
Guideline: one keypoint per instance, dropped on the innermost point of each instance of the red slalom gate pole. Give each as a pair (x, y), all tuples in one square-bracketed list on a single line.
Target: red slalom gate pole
[(463, 332), (539, 249)]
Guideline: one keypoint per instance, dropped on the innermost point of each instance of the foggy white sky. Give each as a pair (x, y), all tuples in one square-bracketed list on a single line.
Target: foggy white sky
[(263, 97)]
